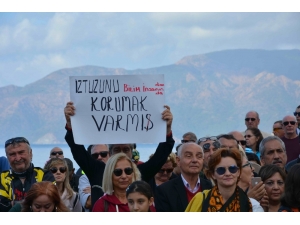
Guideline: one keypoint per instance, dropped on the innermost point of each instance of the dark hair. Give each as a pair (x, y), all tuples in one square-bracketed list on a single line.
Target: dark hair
[(44, 188), (268, 171), (216, 157), (291, 197), (256, 132), (298, 107), (278, 121), (111, 146), (226, 136), (252, 157), (69, 163), (141, 187)]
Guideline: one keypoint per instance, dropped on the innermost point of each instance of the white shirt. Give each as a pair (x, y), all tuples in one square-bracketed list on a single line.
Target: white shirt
[(188, 186)]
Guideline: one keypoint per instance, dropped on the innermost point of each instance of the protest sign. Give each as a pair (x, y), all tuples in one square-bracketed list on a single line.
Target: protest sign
[(118, 109)]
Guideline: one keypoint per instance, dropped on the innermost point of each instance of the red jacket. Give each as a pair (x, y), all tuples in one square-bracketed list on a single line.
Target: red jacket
[(113, 204)]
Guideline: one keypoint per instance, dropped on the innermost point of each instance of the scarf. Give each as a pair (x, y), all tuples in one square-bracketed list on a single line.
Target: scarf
[(238, 202)]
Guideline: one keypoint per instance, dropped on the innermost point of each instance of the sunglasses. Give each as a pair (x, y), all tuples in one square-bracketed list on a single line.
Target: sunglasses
[(206, 146), (102, 154), (185, 141), (297, 114), (252, 119), (231, 169), (287, 123), (212, 138), (242, 142), (248, 136), (165, 170), (247, 164), (277, 129), (16, 140), (61, 169), (119, 172), (54, 153)]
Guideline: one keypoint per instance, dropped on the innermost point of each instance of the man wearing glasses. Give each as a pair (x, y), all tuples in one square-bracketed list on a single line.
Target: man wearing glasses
[(252, 121), (209, 146), (15, 183), (277, 129), (291, 139), (189, 137), (56, 152), (101, 153), (297, 115)]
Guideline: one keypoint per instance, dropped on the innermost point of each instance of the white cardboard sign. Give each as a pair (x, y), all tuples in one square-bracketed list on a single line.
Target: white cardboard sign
[(118, 109)]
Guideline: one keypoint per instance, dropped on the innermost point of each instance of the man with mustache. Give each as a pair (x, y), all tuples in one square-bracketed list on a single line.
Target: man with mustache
[(272, 151)]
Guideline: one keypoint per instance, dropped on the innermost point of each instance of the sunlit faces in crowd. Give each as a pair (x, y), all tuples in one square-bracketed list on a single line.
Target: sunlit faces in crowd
[(100, 152), (277, 129), (42, 204), (209, 147), (246, 174), (273, 178), (297, 114), (226, 172), (122, 174), (239, 137), (251, 140), (289, 125), (165, 173), (139, 196), (118, 148), (190, 158), (59, 171), (273, 152), (252, 119), (228, 141), (19, 156), (56, 152)]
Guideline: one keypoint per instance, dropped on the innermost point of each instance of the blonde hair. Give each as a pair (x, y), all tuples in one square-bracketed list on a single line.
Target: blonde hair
[(66, 185), (107, 183), (171, 158)]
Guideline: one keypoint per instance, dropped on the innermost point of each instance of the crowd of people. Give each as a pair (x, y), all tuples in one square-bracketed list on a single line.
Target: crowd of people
[(250, 171)]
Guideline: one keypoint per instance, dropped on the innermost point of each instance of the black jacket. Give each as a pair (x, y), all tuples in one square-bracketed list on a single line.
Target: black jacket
[(171, 196), (94, 169), (12, 189)]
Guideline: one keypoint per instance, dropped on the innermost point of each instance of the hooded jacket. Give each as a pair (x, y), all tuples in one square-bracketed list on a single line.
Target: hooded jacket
[(110, 203)]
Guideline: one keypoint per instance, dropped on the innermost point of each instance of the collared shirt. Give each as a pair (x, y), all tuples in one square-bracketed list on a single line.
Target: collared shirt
[(188, 186)]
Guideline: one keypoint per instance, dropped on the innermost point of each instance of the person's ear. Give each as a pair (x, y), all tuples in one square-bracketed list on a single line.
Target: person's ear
[(151, 201)]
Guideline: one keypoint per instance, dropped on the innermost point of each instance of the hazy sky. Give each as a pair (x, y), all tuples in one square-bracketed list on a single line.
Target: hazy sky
[(32, 45)]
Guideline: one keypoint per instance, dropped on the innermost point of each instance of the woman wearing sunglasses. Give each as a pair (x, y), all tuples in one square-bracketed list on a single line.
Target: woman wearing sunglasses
[(119, 173), (60, 171), (253, 138), (224, 167), (165, 173)]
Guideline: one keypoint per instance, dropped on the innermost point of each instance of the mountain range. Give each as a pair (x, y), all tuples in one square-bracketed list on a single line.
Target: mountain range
[(209, 94)]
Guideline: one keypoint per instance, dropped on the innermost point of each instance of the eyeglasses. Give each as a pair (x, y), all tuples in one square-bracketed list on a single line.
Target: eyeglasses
[(222, 170), (287, 123), (119, 172), (297, 114), (55, 153), (212, 138), (16, 140), (242, 142), (185, 141), (61, 169), (247, 164), (206, 146), (102, 154), (277, 129), (165, 170), (248, 136), (252, 119)]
